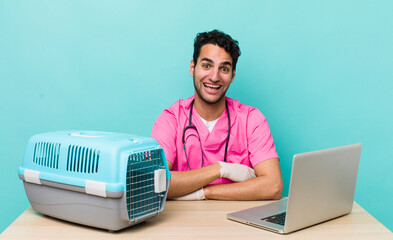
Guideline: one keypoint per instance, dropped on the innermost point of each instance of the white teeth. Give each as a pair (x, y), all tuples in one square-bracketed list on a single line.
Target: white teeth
[(212, 86)]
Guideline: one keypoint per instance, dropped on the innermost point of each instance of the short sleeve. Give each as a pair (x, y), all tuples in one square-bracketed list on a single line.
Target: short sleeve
[(164, 132), (260, 141)]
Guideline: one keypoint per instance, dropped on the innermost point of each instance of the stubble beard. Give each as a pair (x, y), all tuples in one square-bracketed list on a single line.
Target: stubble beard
[(206, 100)]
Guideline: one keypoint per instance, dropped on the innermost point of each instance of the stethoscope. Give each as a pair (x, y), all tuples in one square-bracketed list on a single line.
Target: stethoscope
[(193, 127)]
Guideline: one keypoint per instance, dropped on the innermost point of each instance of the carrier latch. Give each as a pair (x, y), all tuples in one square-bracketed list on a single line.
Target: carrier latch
[(159, 180)]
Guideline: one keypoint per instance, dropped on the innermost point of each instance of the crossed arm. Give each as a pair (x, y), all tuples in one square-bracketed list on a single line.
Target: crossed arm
[(266, 185)]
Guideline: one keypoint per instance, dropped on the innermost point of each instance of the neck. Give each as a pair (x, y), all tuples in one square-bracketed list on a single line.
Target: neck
[(209, 111)]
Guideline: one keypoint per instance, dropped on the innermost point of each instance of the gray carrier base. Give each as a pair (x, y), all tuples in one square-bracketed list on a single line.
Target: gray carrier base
[(72, 204), (99, 179)]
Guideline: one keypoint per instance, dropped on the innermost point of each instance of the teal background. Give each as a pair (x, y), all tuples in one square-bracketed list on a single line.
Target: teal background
[(320, 71)]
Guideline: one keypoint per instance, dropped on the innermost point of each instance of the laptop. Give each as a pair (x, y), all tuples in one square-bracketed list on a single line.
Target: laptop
[(322, 187)]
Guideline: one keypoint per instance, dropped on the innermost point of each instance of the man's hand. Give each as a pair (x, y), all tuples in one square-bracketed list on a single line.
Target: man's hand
[(197, 195), (236, 172), (266, 186)]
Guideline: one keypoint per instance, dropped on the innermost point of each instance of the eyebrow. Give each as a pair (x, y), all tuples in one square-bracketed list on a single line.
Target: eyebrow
[(207, 60), (211, 61)]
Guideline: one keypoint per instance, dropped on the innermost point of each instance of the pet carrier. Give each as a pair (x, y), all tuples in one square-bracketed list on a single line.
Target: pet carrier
[(100, 179)]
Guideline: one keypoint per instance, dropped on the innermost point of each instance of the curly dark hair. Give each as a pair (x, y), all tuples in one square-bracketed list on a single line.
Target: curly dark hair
[(220, 39)]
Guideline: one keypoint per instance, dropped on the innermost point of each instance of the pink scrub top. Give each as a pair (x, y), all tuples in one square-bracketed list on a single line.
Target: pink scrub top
[(250, 140)]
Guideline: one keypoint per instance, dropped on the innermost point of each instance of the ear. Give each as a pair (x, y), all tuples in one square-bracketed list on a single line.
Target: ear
[(192, 68)]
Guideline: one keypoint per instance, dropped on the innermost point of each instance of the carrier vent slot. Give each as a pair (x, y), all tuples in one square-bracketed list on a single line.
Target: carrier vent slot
[(82, 159), (47, 154), (141, 197)]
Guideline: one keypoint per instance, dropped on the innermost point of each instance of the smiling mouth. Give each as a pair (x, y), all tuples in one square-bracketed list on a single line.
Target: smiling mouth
[(215, 87)]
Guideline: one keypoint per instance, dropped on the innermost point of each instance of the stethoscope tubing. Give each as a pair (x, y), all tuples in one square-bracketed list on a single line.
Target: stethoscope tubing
[(194, 127)]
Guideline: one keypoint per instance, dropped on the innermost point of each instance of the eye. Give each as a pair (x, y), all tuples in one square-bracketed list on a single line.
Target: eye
[(205, 66), (225, 69)]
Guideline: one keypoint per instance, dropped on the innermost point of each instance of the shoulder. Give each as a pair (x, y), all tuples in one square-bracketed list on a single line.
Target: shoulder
[(176, 111), (179, 107), (166, 123), (245, 112)]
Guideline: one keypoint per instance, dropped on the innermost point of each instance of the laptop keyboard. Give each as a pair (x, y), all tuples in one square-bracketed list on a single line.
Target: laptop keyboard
[(277, 219)]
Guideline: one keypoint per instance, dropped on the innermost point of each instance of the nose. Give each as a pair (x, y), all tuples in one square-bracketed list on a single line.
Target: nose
[(214, 75)]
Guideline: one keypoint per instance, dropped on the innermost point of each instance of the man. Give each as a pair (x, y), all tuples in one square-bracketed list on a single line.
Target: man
[(217, 148)]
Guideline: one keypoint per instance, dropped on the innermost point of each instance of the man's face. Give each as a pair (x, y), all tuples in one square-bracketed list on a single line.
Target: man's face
[(212, 73)]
